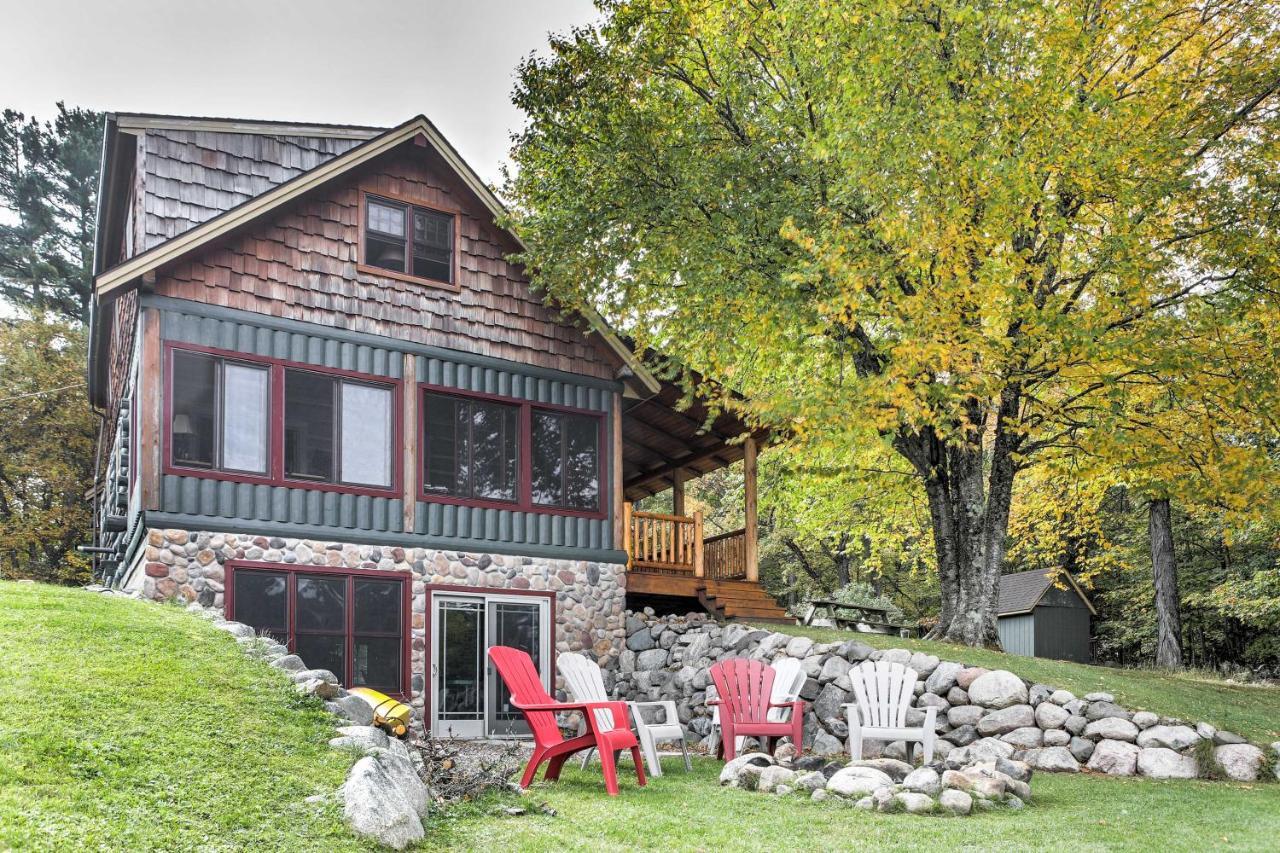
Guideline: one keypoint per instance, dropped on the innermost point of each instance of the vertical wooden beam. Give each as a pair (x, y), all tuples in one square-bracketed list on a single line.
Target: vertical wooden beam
[(698, 566), (150, 407), (621, 509), (677, 492), (751, 545), (409, 438)]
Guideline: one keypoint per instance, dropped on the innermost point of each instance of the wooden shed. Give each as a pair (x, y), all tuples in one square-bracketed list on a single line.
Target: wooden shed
[(1039, 618)]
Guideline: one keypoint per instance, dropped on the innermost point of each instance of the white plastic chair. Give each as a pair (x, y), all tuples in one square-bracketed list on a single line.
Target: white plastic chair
[(585, 682), (788, 680), (884, 692)]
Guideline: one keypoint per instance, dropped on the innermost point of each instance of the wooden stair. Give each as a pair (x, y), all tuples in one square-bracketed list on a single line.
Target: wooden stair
[(724, 599)]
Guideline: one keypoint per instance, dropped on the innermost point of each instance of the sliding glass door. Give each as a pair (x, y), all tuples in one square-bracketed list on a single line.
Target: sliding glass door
[(468, 697)]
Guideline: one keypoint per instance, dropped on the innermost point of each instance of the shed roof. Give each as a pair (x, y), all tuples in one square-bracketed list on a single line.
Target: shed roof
[(1022, 591)]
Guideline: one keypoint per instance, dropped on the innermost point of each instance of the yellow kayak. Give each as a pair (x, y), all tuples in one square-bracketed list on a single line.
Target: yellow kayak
[(388, 713)]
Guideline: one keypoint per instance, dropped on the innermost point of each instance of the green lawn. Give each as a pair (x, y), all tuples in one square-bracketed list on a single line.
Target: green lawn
[(692, 812), (129, 726), (1250, 711)]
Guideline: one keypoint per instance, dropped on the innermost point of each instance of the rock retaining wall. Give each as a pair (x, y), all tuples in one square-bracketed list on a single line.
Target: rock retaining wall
[(1049, 729)]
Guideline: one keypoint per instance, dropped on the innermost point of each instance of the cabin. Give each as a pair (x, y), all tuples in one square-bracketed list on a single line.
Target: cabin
[(333, 408), (1037, 616)]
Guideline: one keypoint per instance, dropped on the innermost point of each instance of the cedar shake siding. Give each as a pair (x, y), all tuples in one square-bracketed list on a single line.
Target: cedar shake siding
[(302, 265), (192, 176)]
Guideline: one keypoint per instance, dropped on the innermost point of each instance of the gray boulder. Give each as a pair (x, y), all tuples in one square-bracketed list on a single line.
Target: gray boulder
[(303, 676), (641, 641), (1240, 762), (914, 803), (956, 802), (730, 770), (811, 781), (1056, 759), (1099, 697), (1039, 693), (1157, 762), (236, 629), (832, 668), (902, 656), (1144, 719), (1027, 737), (1075, 724), (965, 715), (1056, 737), (1081, 748), (1206, 730), (854, 651), (923, 780), (651, 659), (1050, 715), (798, 647), (289, 663), (1099, 710), (956, 696), (1112, 728), (1062, 697), (826, 745), (923, 664), (1176, 738), (827, 705), (1222, 738), (893, 768), (943, 678), (364, 738), (857, 781), (1006, 719), (374, 806), (773, 776), (1115, 758), (352, 708), (998, 689)]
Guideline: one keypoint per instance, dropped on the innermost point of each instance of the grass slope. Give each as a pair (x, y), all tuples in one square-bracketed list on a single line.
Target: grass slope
[(131, 726), (1251, 711), (683, 811)]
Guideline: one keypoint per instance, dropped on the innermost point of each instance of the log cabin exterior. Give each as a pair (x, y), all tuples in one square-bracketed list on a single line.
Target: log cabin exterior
[(334, 409)]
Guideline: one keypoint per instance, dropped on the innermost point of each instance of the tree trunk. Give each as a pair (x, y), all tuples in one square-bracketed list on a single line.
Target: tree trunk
[(969, 514), (1164, 570)]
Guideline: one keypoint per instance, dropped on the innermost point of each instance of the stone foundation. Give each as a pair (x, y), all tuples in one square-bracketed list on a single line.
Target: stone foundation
[(590, 597)]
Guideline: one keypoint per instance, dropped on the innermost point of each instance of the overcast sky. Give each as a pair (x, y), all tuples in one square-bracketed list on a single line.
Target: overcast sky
[(374, 62)]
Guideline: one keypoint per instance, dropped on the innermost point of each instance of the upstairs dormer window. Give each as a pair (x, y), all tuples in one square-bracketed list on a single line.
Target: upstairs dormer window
[(409, 241)]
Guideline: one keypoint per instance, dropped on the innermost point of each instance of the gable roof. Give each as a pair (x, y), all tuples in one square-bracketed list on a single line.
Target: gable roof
[(1021, 592), (126, 275)]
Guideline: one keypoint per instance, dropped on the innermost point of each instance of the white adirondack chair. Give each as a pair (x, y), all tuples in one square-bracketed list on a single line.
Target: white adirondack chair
[(884, 692), (787, 682), (585, 682)]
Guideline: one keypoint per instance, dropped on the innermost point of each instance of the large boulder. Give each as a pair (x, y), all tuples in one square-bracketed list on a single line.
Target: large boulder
[(1081, 748), (1006, 719), (375, 806), (832, 668), (1176, 738), (956, 802), (1115, 758), (289, 663), (772, 777), (1158, 762), (1050, 715), (1112, 728), (1099, 710), (641, 641), (1239, 761), (857, 781), (965, 715), (826, 745), (943, 678), (923, 780), (998, 689), (827, 705), (1056, 759), (968, 675), (914, 803), (891, 767), (1027, 737), (798, 647), (352, 708), (651, 659), (1144, 719)]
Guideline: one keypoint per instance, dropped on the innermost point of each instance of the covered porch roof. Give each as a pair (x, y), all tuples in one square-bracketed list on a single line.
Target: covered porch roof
[(666, 438)]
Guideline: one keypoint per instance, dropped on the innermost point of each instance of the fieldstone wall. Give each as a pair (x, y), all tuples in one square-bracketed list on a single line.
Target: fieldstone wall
[(982, 715), (590, 597)]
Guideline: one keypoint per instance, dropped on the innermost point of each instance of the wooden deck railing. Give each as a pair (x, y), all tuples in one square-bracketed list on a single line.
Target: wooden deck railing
[(725, 556), (663, 543)]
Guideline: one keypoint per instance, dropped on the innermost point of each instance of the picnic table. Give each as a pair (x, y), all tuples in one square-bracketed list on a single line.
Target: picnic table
[(876, 619)]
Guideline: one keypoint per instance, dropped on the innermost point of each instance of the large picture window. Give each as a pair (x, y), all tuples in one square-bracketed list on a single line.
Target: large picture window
[(219, 413), (472, 448), (408, 239), (482, 451), (277, 423), (349, 624), (335, 430)]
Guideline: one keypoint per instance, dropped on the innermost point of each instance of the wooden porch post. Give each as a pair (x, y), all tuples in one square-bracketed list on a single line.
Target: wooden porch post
[(621, 509), (626, 530), (677, 492), (698, 565), (751, 546)]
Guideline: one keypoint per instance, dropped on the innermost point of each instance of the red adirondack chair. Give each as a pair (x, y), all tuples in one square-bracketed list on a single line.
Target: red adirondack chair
[(745, 687), (549, 745)]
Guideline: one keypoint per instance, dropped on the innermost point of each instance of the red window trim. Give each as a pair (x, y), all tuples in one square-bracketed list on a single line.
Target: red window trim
[(370, 269), (524, 475), (429, 635), (406, 615), (275, 422)]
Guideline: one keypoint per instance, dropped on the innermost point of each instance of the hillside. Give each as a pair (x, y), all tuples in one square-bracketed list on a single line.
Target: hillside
[(1251, 711), (133, 726)]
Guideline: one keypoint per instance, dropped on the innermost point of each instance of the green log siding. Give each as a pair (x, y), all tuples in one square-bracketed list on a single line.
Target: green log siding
[(276, 509)]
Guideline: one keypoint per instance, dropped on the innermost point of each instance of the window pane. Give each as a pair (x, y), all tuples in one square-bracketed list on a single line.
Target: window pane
[(261, 601), (386, 218), (494, 435), (446, 444), (323, 651), (244, 418), (376, 663), (387, 254), (432, 245), (193, 409), (461, 660), (322, 605), (547, 474), (378, 606), (582, 465), (366, 434), (308, 425)]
